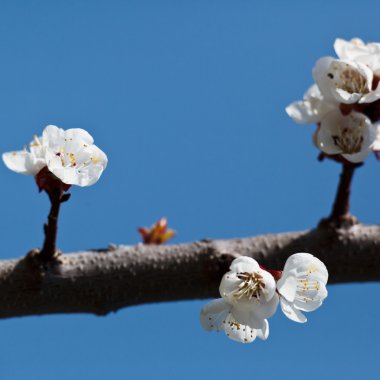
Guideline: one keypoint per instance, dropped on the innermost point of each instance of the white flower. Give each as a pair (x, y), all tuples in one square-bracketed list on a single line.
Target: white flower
[(249, 298), (345, 81), (302, 286), (70, 155), (311, 109), (357, 50), (353, 136)]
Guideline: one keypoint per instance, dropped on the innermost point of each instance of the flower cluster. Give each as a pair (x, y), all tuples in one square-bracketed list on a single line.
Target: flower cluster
[(70, 156), (344, 102), (250, 295)]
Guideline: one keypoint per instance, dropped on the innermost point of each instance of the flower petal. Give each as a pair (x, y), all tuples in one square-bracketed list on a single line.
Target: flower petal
[(79, 134), (270, 284), (291, 312), (244, 264), (266, 308), (247, 317), (23, 162), (349, 49), (264, 332), (326, 132), (218, 315), (287, 285), (312, 109), (371, 96), (320, 75), (346, 97), (376, 143), (213, 315), (302, 112), (53, 137), (239, 332), (357, 157)]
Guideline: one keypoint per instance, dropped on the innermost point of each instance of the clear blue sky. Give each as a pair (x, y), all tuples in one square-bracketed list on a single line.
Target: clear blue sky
[(187, 99)]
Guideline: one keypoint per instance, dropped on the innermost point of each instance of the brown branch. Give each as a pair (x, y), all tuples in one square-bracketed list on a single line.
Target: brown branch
[(103, 281)]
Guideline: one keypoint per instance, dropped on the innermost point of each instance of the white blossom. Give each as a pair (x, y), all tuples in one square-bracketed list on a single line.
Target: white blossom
[(352, 136), (248, 298), (357, 50), (345, 81), (70, 155), (302, 286), (311, 109)]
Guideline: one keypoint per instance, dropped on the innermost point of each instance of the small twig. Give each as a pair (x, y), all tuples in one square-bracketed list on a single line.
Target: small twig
[(340, 213), (49, 249), (341, 206)]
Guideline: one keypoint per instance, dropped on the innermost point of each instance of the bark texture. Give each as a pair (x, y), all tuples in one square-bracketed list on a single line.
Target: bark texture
[(102, 281)]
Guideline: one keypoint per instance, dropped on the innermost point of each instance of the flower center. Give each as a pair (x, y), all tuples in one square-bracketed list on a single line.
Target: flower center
[(349, 140), (353, 82), (349, 80), (250, 287), (67, 159)]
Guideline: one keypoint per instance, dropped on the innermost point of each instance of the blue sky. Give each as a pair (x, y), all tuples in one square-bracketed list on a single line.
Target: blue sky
[(187, 99)]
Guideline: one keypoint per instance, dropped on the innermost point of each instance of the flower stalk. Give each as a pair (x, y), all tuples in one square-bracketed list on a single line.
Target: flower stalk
[(49, 250), (340, 213), (56, 190)]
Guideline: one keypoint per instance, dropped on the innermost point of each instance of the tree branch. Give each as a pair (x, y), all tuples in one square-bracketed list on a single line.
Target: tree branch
[(101, 281)]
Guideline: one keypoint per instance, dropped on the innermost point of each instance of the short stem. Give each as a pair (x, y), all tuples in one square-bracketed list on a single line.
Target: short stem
[(341, 207), (48, 251)]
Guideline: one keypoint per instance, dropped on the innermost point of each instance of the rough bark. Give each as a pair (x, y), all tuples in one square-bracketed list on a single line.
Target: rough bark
[(101, 281)]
